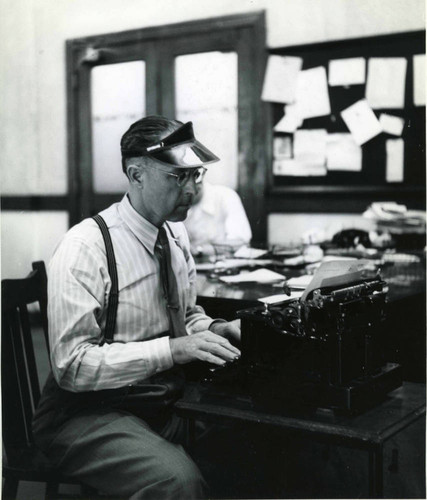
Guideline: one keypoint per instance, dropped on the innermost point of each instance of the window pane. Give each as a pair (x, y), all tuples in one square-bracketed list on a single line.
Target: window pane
[(27, 237), (118, 99), (206, 94)]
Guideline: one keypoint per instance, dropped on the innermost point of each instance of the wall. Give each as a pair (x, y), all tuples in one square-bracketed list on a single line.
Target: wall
[(32, 60)]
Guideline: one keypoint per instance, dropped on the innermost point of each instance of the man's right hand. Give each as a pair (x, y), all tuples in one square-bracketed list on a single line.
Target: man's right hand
[(203, 346)]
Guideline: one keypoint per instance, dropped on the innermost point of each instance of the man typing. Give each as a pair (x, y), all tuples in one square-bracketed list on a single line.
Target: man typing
[(84, 422)]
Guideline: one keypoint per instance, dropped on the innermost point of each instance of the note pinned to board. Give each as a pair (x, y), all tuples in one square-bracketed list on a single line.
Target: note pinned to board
[(361, 121), (312, 96), (281, 78), (262, 275), (394, 160), (290, 121), (282, 147), (310, 146), (391, 124), (295, 168), (385, 86), (344, 72), (342, 153), (419, 65)]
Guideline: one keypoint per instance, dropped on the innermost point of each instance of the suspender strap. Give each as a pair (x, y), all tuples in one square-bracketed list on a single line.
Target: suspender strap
[(112, 270)]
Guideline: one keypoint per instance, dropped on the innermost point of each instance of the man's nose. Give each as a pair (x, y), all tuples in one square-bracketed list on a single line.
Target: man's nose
[(190, 186)]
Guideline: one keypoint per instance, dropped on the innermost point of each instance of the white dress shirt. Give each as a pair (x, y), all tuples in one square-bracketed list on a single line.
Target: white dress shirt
[(79, 286), (219, 217)]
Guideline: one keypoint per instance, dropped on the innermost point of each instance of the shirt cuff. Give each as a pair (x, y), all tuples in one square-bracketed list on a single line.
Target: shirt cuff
[(159, 355), (216, 321)]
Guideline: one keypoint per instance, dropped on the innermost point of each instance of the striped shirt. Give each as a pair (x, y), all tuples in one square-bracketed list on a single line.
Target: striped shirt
[(79, 286)]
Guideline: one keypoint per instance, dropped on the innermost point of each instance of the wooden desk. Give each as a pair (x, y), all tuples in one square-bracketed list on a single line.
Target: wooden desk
[(406, 316), (389, 438)]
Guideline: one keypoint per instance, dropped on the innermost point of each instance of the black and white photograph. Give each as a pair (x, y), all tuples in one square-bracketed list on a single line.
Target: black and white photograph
[(213, 249)]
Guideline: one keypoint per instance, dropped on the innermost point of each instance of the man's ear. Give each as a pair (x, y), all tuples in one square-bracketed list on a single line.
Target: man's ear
[(135, 175)]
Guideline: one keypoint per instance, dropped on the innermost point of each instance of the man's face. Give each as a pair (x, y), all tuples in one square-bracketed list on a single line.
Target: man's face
[(161, 196)]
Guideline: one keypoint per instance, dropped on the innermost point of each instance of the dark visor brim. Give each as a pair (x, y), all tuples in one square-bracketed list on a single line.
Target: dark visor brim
[(185, 155)]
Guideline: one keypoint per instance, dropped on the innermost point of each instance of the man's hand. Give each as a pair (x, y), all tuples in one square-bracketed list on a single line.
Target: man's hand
[(229, 330), (203, 346)]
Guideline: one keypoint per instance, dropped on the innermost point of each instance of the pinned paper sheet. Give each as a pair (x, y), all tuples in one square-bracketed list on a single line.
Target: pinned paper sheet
[(282, 147), (385, 86), (361, 121), (259, 276), (312, 97), (295, 168), (342, 153), (419, 62), (345, 72), (391, 124), (290, 121), (310, 146), (394, 162), (281, 78)]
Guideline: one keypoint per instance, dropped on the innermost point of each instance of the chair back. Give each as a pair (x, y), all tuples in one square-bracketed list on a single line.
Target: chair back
[(19, 377)]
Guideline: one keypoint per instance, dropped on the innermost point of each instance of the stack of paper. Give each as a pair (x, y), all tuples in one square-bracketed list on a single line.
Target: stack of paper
[(396, 218)]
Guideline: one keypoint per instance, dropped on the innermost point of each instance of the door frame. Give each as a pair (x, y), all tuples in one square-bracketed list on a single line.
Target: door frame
[(243, 33)]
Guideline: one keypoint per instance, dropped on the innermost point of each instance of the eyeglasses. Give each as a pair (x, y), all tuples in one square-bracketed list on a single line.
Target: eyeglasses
[(182, 178)]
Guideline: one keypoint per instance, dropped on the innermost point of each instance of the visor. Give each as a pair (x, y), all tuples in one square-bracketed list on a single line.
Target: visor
[(178, 149)]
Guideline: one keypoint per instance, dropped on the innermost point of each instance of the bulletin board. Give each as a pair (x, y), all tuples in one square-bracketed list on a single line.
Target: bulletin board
[(372, 176)]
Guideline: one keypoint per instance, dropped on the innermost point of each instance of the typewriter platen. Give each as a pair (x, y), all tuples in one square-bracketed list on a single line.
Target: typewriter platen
[(324, 349)]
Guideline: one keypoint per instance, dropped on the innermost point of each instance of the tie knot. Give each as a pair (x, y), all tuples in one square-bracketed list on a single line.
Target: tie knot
[(162, 237)]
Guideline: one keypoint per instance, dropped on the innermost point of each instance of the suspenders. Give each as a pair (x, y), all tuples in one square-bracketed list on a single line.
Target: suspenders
[(112, 270)]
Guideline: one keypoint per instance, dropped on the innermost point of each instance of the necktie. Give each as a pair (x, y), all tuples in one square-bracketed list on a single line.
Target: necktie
[(170, 287)]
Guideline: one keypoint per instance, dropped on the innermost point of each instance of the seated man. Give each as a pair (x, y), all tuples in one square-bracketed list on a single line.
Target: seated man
[(217, 218), (88, 422)]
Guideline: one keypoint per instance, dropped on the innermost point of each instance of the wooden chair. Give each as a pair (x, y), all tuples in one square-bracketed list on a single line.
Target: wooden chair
[(21, 388)]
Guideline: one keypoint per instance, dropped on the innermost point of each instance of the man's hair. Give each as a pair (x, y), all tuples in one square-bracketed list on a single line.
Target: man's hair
[(146, 132)]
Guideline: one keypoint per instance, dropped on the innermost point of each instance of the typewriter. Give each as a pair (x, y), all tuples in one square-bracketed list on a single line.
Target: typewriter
[(324, 349)]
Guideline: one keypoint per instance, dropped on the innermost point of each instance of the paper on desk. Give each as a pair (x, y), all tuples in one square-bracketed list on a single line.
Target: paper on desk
[(385, 86), (391, 124), (232, 263), (342, 153), (335, 273), (259, 276), (312, 97), (394, 160), (281, 297), (249, 253), (419, 63), (281, 78), (349, 71), (300, 281), (296, 168), (361, 121), (290, 121)]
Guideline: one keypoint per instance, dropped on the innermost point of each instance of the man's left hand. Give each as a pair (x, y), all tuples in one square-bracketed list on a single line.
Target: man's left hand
[(229, 330)]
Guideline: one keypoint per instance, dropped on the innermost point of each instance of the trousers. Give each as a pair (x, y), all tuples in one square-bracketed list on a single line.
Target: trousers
[(120, 454)]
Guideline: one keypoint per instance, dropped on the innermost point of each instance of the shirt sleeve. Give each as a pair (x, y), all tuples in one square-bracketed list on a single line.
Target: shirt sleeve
[(78, 287)]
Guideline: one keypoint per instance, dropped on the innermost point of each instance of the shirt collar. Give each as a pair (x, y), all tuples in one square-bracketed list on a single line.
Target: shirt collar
[(143, 229)]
